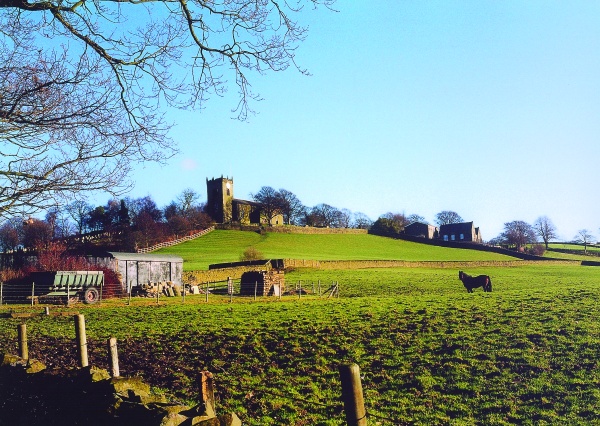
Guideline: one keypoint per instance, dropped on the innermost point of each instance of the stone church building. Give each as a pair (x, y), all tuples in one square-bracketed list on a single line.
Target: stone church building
[(224, 208)]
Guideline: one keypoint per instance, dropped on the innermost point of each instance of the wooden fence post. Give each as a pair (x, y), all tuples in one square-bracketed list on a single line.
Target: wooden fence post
[(1, 290), (32, 292), (23, 349), (352, 394), (81, 340), (207, 390), (113, 357)]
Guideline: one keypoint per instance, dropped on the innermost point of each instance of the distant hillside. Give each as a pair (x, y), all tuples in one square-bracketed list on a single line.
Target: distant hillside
[(222, 246)]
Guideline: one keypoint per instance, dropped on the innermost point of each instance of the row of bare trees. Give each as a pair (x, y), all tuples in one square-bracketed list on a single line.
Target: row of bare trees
[(520, 234), (394, 223), (517, 234), (128, 223), (294, 212)]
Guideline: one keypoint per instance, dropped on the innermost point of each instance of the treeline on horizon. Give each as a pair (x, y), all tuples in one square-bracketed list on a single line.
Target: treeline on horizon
[(132, 223)]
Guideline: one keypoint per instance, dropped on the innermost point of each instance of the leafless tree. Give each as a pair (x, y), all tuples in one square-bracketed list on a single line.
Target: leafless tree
[(413, 218), (545, 229), (344, 218), (398, 221), (187, 201), (361, 221), (324, 216), (82, 83), (269, 199), (584, 237), (447, 217), (79, 211), (9, 234), (290, 205), (36, 232), (519, 234)]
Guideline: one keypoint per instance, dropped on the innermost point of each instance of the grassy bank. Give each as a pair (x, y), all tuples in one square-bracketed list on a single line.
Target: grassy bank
[(227, 246)]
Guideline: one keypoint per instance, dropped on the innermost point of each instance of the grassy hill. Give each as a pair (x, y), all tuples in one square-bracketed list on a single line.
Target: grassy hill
[(227, 246)]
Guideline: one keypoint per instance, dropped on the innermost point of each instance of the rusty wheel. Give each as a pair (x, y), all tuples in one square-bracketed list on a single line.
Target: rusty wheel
[(90, 295)]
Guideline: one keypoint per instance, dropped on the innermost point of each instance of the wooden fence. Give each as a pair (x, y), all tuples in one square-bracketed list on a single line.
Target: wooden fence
[(349, 374), (174, 242)]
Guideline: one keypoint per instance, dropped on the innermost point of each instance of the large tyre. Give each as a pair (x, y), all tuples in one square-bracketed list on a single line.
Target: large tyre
[(91, 295)]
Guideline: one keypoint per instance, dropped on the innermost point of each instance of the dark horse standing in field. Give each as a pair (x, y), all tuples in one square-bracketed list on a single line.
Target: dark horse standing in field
[(473, 282)]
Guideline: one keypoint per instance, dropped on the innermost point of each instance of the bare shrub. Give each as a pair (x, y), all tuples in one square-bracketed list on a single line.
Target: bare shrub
[(53, 257), (537, 249), (251, 253)]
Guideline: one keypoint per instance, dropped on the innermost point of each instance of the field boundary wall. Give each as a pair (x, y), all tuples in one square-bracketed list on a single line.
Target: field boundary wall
[(365, 264), (469, 246), (175, 242), (214, 275), (235, 272), (290, 229)]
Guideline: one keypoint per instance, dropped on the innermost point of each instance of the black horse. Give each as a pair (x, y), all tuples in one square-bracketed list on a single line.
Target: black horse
[(473, 282)]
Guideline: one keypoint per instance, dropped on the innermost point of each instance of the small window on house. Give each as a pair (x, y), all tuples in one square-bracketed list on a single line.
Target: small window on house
[(453, 237), (445, 238), (462, 236)]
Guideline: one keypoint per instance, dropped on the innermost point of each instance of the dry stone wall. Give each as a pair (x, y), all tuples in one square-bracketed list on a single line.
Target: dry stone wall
[(33, 395)]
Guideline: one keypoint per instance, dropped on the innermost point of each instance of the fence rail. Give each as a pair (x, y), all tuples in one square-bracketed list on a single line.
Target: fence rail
[(174, 242)]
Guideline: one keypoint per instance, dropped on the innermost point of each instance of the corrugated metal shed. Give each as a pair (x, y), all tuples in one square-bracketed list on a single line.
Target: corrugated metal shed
[(140, 268)]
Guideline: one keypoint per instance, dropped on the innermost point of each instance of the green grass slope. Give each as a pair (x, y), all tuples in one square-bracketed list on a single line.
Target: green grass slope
[(227, 246)]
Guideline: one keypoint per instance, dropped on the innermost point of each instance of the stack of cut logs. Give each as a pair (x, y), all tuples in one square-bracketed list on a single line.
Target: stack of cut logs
[(166, 288)]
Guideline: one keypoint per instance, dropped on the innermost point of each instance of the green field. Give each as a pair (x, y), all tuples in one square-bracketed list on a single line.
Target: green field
[(429, 353), (227, 246), (572, 252)]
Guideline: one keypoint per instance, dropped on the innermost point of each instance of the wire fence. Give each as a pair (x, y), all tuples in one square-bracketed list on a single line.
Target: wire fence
[(167, 292)]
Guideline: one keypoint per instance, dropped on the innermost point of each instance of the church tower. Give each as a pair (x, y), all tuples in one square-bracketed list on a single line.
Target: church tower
[(219, 194)]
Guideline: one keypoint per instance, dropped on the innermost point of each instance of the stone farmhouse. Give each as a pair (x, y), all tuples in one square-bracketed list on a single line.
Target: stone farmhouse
[(422, 230), (464, 231), (222, 207), (460, 232)]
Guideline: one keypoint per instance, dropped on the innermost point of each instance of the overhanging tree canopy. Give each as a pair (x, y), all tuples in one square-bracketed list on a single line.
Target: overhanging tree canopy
[(82, 83)]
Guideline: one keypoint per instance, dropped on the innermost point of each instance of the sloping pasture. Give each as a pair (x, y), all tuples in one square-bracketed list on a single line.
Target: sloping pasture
[(227, 246), (430, 353)]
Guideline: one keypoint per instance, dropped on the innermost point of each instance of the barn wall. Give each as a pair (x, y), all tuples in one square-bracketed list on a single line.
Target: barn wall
[(137, 272)]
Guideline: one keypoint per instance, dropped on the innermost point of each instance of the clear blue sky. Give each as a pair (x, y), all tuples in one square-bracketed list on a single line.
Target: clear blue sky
[(487, 108)]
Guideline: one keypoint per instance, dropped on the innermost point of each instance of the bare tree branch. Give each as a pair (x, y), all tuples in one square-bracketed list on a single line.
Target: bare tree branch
[(82, 83)]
